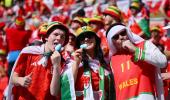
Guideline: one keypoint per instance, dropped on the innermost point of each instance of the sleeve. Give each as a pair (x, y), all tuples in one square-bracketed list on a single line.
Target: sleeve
[(151, 54), (20, 65)]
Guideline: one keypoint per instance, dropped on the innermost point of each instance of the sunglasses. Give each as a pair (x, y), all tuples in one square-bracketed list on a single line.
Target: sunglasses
[(123, 33), (82, 38)]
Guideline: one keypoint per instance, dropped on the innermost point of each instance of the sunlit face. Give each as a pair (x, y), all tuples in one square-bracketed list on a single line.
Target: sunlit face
[(155, 35), (56, 37), (94, 26), (134, 11), (75, 25), (90, 41), (72, 40), (108, 20), (119, 38)]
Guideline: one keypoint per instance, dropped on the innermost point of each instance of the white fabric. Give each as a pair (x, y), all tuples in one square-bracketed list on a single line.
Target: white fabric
[(115, 30), (159, 84), (68, 71), (154, 56), (143, 97)]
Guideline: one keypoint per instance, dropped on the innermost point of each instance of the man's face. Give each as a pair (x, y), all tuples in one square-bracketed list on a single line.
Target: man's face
[(155, 35), (108, 20), (134, 11), (119, 38), (56, 37), (72, 40), (94, 26)]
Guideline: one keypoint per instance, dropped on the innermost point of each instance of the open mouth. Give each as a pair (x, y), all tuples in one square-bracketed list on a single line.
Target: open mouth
[(55, 44)]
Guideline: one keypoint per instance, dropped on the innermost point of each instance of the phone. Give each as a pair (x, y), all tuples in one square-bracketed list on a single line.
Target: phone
[(58, 47), (83, 46)]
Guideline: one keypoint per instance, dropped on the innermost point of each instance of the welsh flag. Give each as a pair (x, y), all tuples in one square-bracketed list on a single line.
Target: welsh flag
[(154, 5), (67, 85)]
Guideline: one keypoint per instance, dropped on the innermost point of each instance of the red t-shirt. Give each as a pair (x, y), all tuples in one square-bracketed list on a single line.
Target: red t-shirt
[(3, 84), (41, 78), (132, 78)]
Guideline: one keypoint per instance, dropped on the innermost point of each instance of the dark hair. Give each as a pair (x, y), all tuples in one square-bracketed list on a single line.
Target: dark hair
[(113, 26), (98, 53)]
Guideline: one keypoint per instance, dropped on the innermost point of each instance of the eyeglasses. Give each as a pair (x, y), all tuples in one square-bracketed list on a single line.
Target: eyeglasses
[(123, 33), (82, 38)]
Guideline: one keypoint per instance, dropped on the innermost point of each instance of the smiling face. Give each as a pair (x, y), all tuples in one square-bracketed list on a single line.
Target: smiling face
[(119, 38), (56, 37), (90, 40)]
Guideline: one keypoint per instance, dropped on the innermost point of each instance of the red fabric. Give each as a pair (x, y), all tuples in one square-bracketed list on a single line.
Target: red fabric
[(62, 18), (139, 78), (2, 25), (3, 45), (2, 10), (167, 82), (104, 44), (41, 78), (135, 28), (155, 8), (167, 8), (3, 84), (167, 44), (17, 39), (81, 80)]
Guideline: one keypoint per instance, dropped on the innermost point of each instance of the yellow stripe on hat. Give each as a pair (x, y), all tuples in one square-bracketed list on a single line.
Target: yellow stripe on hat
[(115, 9), (155, 28), (2, 52), (51, 24), (135, 5), (83, 30), (18, 22)]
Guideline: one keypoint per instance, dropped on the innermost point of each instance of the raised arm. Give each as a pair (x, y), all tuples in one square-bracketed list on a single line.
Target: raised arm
[(55, 82)]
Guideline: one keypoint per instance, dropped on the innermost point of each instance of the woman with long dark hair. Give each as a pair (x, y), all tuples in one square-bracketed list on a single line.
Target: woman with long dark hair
[(91, 77), (91, 73)]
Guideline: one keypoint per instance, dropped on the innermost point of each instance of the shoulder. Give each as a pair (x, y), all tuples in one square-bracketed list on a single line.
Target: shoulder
[(33, 49)]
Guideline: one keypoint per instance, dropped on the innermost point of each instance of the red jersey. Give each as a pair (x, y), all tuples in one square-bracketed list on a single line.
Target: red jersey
[(41, 78), (3, 84), (132, 79)]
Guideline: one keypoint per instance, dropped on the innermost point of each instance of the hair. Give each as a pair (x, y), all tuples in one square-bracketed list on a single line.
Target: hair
[(98, 54)]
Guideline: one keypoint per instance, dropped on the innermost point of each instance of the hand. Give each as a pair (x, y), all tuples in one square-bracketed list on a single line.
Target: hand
[(26, 81), (56, 58), (165, 76), (128, 45), (77, 55)]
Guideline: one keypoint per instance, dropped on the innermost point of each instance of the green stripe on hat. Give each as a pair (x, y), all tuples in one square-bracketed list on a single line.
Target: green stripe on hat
[(114, 9)]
